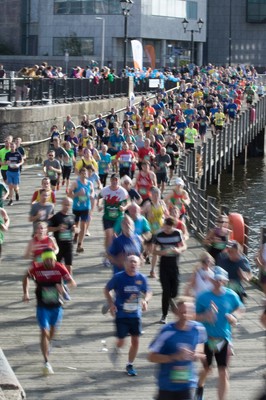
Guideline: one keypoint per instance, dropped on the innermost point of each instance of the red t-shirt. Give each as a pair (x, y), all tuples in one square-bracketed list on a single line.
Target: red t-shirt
[(145, 154), (46, 280)]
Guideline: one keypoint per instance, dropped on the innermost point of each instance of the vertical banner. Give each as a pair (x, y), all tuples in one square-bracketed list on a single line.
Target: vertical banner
[(150, 53), (137, 51)]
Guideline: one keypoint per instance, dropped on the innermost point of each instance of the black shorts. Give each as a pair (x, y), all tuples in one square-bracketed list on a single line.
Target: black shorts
[(66, 172), (189, 146), (128, 326), (177, 395), (221, 356), (54, 182), (161, 177), (108, 223), (65, 252), (83, 215)]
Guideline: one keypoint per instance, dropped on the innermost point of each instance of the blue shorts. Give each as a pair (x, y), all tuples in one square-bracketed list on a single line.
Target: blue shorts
[(83, 215), (48, 317), (125, 326), (13, 178)]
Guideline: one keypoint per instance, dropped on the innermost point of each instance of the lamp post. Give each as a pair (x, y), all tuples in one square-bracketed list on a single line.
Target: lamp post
[(103, 39), (66, 59), (230, 34), (126, 6), (192, 31)]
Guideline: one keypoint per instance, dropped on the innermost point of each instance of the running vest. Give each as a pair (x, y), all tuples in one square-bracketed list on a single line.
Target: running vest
[(156, 217), (83, 202), (176, 200), (39, 247), (144, 185)]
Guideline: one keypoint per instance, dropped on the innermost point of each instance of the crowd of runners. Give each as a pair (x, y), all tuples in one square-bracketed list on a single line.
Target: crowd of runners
[(126, 169)]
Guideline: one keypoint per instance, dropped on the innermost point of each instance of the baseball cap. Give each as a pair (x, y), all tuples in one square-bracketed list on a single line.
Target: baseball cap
[(179, 181), (114, 176), (220, 274)]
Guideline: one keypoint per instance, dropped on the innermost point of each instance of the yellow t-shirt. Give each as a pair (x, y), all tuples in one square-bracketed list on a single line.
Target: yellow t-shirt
[(85, 163)]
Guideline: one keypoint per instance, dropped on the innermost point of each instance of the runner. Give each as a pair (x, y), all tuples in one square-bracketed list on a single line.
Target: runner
[(178, 197), (218, 310), (175, 348), (4, 226), (39, 242), (62, 224), (145, 180), (131, 298), (14, 160), (169, 245), (112, 197), (3, 152), (48, 276), (46, 185), (82, 193), (52, 169)]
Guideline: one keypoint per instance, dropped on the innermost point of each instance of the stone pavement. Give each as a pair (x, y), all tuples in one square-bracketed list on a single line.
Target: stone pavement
[(81, 364)]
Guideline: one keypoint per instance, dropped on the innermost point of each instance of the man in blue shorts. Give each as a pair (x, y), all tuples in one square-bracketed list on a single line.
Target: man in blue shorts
[(131, 298), (14, 161), (217, 310), (175, 348), (48, 276)]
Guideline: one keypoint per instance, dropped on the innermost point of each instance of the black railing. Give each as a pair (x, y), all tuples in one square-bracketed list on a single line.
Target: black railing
[(33, 91)]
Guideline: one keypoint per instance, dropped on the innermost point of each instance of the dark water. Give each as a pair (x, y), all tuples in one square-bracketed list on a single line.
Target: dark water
[(245, 193)]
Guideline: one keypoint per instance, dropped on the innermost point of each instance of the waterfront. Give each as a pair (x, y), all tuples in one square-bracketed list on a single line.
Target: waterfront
[(245, 192)]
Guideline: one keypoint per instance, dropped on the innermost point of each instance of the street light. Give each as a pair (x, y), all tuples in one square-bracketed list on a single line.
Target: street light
[(192, 31), (103, 39), (66, 59), (126, 6)]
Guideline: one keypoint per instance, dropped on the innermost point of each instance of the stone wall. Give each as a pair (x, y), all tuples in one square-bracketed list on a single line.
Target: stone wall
[(34, 123)]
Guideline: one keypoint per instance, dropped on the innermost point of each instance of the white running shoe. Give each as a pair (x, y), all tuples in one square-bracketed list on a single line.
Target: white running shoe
[(47, 369)]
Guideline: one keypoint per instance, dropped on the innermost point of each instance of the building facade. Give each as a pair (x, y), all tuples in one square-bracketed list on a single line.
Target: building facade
[(236, 32), (57, 27)]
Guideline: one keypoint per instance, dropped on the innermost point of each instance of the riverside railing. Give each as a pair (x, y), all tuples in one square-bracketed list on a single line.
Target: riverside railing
[(34, 91)]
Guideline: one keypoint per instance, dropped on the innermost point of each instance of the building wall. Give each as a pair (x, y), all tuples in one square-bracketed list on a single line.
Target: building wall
[(10, 25), (248, 40)]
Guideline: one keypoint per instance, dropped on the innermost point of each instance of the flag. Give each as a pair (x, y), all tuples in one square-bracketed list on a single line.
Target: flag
[(137, 51)]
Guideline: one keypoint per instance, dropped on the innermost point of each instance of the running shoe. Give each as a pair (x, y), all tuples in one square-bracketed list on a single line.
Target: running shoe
[(114, 356), (199, 394), (80, 249), (105, 308), (66, 295), (130, 370), (10, 203), (107, 263), (17, 196), (163, 320), (147, 260), (87, 233), (47, 369), (153, 274)]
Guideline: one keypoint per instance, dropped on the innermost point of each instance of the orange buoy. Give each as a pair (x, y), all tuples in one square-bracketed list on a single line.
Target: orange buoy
[(237, 225)]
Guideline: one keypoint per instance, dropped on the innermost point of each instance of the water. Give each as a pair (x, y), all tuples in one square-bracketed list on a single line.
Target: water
[(245, 193)]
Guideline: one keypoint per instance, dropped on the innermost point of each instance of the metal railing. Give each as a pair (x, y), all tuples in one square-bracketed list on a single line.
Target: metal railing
[(34, 91)]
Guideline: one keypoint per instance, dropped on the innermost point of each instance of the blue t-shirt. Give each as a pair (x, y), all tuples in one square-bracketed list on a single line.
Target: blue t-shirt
[(232, 267), (125, 245), (177, 375), (128, 293), (141, 226), (103, 163), (100, 124), (226, 303), (116, 141), (180, 128)]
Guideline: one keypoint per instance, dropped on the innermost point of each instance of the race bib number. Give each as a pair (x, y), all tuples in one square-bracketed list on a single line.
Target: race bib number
[(180, 374), (130, 306), (65, 235), (143, 191), (113, 214), (50, 295)]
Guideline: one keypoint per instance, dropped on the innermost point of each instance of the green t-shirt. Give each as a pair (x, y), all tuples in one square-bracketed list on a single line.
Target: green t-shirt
[(3, 152)]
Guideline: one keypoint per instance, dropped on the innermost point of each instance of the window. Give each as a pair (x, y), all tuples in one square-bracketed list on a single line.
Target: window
[(256, 11), (192, 10), (169, 8), (76, 46), (87, 7)]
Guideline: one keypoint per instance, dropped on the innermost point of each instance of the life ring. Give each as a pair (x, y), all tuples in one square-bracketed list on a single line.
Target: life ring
[(237, 225)]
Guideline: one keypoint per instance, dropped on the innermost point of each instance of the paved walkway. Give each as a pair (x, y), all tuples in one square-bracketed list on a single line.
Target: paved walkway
[(82, 368)]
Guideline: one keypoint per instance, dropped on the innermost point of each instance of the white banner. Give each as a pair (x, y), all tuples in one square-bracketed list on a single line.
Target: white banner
[(137, 51)]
